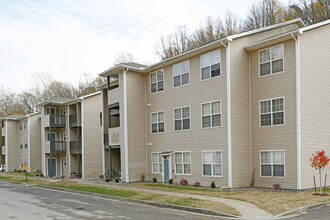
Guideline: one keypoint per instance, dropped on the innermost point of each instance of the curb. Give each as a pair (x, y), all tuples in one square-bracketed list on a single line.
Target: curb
[(155, 204), (302, 209)]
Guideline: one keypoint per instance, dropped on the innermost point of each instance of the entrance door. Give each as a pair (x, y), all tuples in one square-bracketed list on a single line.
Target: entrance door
[(51, 167), (63, 164), (166, 171)]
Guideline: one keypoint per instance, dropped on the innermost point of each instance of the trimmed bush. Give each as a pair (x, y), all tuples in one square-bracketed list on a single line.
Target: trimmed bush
[(170, 181), (213, 185), (107, 179), (154, 180), (117, 179)]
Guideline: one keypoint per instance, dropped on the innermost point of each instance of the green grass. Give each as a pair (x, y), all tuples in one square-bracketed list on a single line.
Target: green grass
[(176, 187), (190, 202)]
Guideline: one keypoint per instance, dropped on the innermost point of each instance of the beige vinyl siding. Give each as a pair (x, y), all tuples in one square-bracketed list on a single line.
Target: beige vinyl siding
[(279, 137), (92, 139), (12, 145), (315, 105), (240, 108), (35, 142), (136, 122), (196, 139)]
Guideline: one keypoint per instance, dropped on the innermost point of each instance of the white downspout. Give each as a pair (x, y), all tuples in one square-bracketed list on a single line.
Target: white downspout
[(230, 169), (298, 123), (82, 140), (126, 125), (6, 145), (102, 131)]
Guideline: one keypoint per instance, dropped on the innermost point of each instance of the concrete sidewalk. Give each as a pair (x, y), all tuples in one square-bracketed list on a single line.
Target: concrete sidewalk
[(247, 210)]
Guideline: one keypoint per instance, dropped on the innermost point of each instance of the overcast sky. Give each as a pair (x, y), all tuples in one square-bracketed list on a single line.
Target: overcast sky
[(67, 38)]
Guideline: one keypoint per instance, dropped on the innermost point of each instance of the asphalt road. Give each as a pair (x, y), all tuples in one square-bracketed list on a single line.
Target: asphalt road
[(32, 203), (319, 213)]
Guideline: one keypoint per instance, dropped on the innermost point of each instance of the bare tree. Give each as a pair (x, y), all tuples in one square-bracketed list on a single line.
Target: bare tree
[(10, 103), (265, 13), (88, 84), (124, 57)]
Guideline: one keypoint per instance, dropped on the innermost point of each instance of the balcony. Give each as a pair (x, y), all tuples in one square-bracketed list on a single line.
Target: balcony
[(3, 150), (106, 140), (74, 121), (55, 147), (75, 147), (55, 121), (3, 139)]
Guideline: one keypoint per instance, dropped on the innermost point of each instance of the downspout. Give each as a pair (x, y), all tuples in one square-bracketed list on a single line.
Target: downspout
[(102, 132), (6, 145), (229, 136), (250, 106), (82, 139), (146, 127), (298, 122), (125, 125)]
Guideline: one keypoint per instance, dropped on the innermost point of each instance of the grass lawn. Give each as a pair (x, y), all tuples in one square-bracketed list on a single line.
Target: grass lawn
[(275, 202), (129, 194)]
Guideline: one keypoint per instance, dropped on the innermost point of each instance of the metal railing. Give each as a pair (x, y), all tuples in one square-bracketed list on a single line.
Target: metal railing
[(75, 147), (73, 120), (57, 121), (58, 146)]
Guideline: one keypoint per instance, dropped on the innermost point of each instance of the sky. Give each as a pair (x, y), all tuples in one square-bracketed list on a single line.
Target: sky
[(67, 38)]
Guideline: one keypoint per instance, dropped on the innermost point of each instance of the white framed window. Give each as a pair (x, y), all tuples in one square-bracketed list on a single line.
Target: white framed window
[(271, 112), (272, 163), (210, 65), (181, 74), (157, 122), (211, 114), (21, 145), (271, 60), (157, 81), (26, 144), (157, 166), (212, 163), (182, 118), (183, 163)]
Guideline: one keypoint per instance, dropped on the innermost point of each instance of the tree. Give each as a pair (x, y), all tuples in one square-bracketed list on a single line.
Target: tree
[(10, 103), (319, 161), (88, 84), (124, 57), (265, 13)]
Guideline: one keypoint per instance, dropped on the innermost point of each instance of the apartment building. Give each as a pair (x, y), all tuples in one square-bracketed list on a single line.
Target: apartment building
[(71, 137), (21, 142), (247, 109)]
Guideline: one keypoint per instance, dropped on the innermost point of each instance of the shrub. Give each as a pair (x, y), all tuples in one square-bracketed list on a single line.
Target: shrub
[(276, 186), (15, 170), (117, 179), (213, 185), (154, 180), (184, 182), (143, 178), (37, 174), (41, 175), (170, 181), (197, 184), (107, 179)]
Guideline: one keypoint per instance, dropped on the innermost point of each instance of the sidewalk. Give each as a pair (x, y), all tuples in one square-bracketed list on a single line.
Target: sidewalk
[(247, 210)]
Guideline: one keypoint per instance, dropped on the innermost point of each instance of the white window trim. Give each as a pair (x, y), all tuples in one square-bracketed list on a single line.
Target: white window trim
[(212, 176), (47, 135), (271, 74), (159, 162), (210, 102), (267, 126), (182, 119), (48, 107), (152, 93), (175, 87), (271, 155), (200, 66), (157, 122), (182, 174)]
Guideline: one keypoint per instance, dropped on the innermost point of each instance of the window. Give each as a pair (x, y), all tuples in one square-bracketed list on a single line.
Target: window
[(182, 163), (21, 144), (272, 112), (272, 163), (25, 124), (181, 74), (271, 60), (26, 144), (50, 111), (157, 81), (21, 125), (211, 114), (114, 115), (157, 122), (156, 163), (212, 163), (210, 64), (181, 118)]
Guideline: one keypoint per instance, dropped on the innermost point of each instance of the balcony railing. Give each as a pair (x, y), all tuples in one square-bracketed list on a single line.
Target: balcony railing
[(75, 147), (3, 139), (73, 121), (57, 146), (57, 121), (106, 140)]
